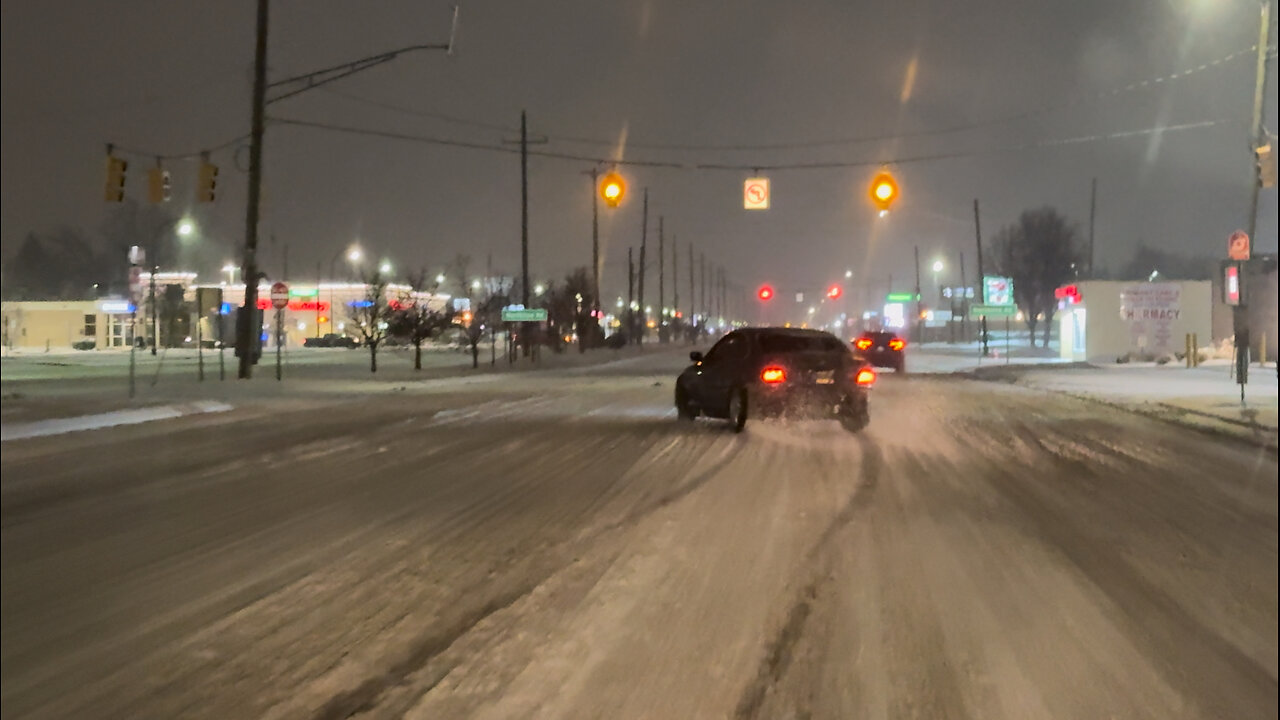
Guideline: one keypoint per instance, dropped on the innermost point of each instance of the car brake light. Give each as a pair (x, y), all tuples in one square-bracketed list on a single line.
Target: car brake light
[(897, 344), (863, 343), (773, 375), (866, 376)]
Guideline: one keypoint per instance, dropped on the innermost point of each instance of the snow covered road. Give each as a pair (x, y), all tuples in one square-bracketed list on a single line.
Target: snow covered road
[(554, 545)]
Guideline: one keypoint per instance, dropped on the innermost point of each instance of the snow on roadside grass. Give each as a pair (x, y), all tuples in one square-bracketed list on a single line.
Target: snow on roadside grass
[(59, 426)]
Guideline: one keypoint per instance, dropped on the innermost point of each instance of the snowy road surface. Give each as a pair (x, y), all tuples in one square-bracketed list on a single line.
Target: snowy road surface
[(554, 545)]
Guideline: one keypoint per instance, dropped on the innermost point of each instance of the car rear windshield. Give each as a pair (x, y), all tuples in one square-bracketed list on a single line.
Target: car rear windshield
[(772, 344)]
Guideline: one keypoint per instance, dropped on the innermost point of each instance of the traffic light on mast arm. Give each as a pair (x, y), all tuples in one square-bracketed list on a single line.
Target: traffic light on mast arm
[(834, 292), (207, 181), (765, 293), (117, 168), (612, 189), (159, 185), (884, 191)]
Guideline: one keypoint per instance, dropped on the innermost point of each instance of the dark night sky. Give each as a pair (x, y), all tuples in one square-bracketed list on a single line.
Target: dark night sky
[(174, 77)]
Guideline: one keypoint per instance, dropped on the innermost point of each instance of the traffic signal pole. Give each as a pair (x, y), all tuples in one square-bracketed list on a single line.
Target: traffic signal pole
[(524, 220), (982, 283), (244, 333)]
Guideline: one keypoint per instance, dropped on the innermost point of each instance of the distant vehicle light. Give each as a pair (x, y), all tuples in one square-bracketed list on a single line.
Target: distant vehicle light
[(863, 343), (773, 375), (897, 344), (866, 376)]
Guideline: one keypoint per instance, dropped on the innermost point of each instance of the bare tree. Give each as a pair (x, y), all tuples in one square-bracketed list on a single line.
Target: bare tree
[(1040, 252), (412, 316), (371, 314)]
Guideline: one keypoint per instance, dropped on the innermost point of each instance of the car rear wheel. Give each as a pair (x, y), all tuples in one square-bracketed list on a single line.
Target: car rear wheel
[(738, 409), (685, 409), (854, 414)]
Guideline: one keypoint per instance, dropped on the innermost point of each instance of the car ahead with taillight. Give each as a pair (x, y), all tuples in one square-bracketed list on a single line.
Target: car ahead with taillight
[(776, 372), (882, 349)]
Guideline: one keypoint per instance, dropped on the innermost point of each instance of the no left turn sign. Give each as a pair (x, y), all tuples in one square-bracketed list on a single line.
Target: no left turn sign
[(755, 194)]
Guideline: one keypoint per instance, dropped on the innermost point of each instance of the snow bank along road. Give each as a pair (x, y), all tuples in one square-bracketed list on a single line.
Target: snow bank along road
[(556, 546)]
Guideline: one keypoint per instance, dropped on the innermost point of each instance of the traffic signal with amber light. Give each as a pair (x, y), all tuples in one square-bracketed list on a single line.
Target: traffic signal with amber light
[(612, 189), (765, 293), (1266, 157), (116, 170), (884, 191), (159, 185), (207, 182), (834, 292)]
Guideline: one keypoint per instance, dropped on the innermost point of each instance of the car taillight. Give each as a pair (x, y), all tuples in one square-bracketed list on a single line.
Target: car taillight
[(863, 343), (897, 344), (773, 375), (866, 376)]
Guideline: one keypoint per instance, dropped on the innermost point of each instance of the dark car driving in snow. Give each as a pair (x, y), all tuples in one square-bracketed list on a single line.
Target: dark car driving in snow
[(773, 372), (882, 349)]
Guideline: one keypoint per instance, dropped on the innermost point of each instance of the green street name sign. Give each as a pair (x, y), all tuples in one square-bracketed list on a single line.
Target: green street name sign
[(901, 297), (531, 315), (976, 311)]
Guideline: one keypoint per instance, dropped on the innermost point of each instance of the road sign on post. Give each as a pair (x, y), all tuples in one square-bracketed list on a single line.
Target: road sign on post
[(992, 311), (755, 194), (524, 315), (279, 296)]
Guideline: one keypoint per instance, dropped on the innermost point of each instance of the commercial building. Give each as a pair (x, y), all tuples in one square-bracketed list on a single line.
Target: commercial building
[(1102, 320), (62, 325)]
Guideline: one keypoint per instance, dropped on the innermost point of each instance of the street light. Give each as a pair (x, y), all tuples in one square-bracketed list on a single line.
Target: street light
[(538, 289), (440, 279), (186, 228), (230, 269), (937, 266), (385, 267), (848, 274)]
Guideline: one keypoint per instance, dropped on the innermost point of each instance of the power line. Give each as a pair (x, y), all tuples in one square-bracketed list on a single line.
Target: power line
[(422, 113), (125, 150), (1021, 115), (825, 165), (448, 142)]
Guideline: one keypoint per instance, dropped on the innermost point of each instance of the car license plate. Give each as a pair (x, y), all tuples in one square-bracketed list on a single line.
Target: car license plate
[(826, 377)]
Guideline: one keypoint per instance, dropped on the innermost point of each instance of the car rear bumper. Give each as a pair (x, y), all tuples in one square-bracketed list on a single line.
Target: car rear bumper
[(883, 358), (811, 401)]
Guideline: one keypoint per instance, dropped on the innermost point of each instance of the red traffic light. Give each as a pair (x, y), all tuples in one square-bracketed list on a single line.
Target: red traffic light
[(766, 292), (834, 292)]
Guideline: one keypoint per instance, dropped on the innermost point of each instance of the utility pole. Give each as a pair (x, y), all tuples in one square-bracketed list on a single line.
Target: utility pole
[(1093, 208), (631, 300), (981, 280), (919, 303), (595, 240), (964, 302), (662, 274), (644, 241), (245, 333), (675, 277), (702, 283)]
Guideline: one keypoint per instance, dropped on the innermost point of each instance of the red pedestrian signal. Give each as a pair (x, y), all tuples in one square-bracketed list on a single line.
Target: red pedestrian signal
[(834, 292), (766, 293)]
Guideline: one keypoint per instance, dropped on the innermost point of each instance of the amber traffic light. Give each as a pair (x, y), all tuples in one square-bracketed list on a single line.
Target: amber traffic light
[(207, 182), (884, 191), (116, 170), (612, 189)]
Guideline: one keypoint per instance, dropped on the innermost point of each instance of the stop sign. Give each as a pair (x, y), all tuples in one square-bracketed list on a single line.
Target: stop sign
[(279, 295)]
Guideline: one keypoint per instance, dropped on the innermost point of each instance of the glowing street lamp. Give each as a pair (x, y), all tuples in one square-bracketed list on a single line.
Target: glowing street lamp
[(186, 228)]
